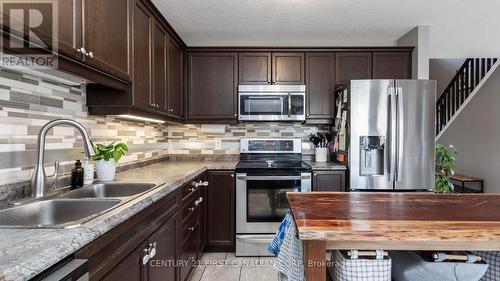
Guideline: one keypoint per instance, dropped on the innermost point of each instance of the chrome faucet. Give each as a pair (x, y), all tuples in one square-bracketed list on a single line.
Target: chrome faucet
[(39, 179)]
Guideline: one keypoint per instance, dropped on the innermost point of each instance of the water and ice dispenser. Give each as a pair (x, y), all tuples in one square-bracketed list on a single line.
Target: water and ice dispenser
[(371, 151)]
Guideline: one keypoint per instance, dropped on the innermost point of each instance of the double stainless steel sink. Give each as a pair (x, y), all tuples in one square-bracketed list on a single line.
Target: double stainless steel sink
[(73, 208)]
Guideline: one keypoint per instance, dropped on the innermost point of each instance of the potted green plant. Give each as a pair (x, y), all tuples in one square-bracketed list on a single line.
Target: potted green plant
[(445, 166), (106, 158)]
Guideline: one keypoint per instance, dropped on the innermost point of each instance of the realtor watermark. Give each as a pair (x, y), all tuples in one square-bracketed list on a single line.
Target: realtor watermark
[(29, 34)]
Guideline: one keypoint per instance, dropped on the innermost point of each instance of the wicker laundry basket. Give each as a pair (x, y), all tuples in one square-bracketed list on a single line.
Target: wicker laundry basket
[(348, 266)]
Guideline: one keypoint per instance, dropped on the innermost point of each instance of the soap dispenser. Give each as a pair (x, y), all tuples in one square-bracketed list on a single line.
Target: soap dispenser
[(77, 175)]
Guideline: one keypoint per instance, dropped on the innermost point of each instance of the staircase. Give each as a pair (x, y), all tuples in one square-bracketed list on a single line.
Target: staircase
[(462, 88)]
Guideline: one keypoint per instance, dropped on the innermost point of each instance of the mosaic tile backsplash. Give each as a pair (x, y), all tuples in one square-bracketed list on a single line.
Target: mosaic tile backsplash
[(28, 102)]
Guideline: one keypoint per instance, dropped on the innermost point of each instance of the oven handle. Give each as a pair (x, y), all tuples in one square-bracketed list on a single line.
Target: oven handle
[(254, 240), (264, 178)]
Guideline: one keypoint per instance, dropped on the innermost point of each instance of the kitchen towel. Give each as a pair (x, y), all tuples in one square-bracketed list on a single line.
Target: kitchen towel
[(288, 249)]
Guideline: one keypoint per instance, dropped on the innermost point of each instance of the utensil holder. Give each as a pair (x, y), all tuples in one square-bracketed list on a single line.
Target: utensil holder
[(321, 154)]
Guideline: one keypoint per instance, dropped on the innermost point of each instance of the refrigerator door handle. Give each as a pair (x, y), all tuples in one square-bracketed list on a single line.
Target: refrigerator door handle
[(400, 132), (392, 134)]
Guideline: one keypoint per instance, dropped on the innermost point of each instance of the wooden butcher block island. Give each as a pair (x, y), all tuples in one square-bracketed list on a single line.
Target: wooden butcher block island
[(392, 221)]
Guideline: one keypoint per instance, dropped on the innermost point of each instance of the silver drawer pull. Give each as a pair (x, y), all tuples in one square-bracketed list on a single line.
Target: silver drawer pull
[(191, 228)]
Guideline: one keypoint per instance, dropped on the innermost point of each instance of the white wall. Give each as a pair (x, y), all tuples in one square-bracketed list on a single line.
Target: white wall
[(443, 70), (476, 135), (418, 37)]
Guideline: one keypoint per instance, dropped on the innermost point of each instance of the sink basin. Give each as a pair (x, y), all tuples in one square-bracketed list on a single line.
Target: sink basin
[(105, 190), (55, 213)]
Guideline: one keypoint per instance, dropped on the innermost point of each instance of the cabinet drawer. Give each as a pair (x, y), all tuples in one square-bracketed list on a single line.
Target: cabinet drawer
[(193, 187), (190, 230), (192, 208)]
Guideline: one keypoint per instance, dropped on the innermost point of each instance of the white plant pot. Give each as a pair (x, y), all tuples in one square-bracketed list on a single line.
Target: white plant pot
[(105, 170), (321, 154)]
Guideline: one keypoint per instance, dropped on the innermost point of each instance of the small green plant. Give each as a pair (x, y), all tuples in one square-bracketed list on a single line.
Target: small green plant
[(110, 151), (445, 166)]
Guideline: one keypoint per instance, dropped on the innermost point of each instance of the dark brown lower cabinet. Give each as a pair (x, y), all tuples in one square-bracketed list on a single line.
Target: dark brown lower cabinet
[(130, 268), (164, 239), (171, 232), (221, 204), (328, 181)]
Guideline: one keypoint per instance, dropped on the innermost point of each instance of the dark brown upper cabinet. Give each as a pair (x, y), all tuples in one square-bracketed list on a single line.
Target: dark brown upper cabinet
[(353, 65), (271, 68), (159, 63), (106, 26), (288, 68), (175, 79), (212, 86), (69, 28), (143, 22), (255, 68), (320, 85), (391, 65)]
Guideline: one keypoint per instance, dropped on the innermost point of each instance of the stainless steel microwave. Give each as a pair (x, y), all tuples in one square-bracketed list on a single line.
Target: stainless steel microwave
[(271, 102)]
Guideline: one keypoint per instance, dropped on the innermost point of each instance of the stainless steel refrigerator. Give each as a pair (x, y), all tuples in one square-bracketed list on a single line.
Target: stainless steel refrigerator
[(392, 134)]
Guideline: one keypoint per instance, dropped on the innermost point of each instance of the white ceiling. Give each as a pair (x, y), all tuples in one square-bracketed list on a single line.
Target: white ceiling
[(458, 28)]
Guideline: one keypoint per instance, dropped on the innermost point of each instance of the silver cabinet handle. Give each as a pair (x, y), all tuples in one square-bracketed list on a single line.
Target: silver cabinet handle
[(205, 183), (198, 202), (191, 228), (146, 257), (81, 50), (191, 209), (264, 178), (152, 250), (90, 54), (289, 104)]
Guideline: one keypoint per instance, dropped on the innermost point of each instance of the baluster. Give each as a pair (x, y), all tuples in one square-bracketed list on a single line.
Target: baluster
[(478, 66), (472, 70), (483, 68), (464, 87), (488, 64)]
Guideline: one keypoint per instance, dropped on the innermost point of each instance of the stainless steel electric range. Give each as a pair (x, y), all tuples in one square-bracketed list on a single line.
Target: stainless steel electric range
[(268, 169)]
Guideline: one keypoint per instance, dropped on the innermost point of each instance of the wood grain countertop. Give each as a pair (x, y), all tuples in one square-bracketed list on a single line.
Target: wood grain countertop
[(398, 221)]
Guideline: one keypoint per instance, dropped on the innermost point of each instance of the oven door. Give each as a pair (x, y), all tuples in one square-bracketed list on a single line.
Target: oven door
[(261, 202)]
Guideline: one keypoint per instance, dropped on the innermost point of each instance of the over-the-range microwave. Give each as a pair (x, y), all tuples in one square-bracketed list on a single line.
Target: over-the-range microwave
[(271, 102)]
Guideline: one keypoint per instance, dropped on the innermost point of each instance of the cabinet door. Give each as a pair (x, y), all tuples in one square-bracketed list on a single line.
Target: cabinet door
[(142, 56), (213, 79), (130, 268), (391, 65), (162, 266), (353, 65), (288, 68), (320, 88), (255, 68), (70, 27), (329, 181), (221, 211), (159, 72), (175, 75), (106, 29)]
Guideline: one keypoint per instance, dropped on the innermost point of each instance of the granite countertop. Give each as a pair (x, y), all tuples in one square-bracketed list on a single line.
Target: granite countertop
[(24, 253), (326, 166)]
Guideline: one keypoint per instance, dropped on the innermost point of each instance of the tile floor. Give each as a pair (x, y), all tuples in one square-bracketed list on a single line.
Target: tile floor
[(228, 267)]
